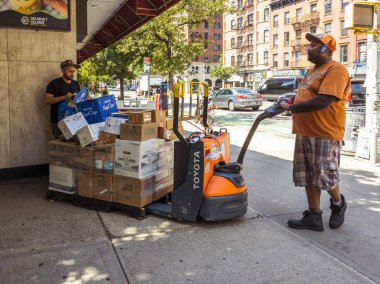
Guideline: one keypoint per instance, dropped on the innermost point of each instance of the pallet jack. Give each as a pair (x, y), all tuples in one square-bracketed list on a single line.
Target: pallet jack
[(206, 184)]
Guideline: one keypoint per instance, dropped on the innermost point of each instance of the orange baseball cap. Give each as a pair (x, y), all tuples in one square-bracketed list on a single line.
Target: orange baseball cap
[(328, 40)]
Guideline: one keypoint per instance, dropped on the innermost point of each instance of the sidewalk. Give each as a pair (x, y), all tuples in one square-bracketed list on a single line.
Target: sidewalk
[(55, 242)]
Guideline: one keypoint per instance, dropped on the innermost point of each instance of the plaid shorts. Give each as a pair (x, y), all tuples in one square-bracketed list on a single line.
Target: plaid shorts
[(316, 162)]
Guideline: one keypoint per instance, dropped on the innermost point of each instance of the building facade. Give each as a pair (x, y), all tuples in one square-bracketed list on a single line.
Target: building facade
[(267, 38), (212, 34)]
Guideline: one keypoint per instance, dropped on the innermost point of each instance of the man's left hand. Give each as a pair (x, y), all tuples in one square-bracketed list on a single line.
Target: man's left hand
[(284, 105)]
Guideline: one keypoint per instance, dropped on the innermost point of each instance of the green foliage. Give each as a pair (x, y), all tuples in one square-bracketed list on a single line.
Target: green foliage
[(165, 39), (224, 73)]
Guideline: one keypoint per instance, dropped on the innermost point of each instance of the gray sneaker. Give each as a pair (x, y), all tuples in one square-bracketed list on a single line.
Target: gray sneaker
[(337, 213), (311, 220)]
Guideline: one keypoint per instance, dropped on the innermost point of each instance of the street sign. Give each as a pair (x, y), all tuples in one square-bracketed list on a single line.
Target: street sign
[(146, 65)]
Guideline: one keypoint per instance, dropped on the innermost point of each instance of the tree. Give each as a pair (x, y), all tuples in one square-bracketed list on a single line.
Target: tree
[(119, 62), (165, 39), (224, 73)]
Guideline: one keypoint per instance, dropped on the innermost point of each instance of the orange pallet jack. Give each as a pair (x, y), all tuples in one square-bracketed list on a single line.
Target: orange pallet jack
[(207, 185)]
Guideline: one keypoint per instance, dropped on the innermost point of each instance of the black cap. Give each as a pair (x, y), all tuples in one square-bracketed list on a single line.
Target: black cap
[(68, 63)]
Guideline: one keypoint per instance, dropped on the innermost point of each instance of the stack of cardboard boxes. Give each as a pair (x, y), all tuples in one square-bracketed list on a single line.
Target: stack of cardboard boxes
[(127, 164)]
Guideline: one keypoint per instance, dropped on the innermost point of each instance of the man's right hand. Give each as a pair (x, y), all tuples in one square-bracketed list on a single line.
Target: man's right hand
[(69, 95)]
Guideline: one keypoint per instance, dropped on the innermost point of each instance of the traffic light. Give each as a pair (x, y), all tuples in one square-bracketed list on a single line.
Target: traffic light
[(360, 16)]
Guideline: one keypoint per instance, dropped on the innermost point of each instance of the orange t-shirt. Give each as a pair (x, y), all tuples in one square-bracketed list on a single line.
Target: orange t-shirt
[(331, 79)]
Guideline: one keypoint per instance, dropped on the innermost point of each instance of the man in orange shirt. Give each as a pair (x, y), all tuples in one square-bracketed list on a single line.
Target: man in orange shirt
[(319, 117)]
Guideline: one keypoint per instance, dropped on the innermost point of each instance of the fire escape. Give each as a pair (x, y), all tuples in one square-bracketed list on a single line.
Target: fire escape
[(301, 26)]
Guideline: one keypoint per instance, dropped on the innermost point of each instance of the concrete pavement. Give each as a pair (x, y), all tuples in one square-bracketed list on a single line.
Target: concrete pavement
[(56, 242)]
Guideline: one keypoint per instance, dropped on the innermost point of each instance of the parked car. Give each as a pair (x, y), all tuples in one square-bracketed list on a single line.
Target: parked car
[(273, 88), (237, 98), (357, 97)]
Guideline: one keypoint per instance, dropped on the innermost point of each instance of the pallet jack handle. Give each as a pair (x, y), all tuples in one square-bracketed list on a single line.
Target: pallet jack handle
[(269, 112)]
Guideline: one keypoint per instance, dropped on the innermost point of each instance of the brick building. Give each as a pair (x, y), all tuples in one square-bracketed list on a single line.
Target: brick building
[(279, 43)]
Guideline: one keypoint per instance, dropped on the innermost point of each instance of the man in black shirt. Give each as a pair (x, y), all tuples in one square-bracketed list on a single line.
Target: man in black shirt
[(59, 90)]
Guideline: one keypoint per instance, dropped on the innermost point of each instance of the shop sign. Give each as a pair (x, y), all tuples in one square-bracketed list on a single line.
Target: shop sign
[(35, 14), (287, 73)]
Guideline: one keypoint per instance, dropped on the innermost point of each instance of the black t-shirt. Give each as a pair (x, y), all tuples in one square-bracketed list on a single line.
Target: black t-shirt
[(58, 87)]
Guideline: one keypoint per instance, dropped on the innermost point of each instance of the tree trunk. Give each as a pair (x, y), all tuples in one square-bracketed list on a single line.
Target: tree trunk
[(170, 81), (122, 89)]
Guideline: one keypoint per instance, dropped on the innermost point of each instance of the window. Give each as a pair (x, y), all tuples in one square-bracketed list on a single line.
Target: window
[(240, 41), (286, 39), (206, 35), (266, 57), (344, 4), (240, 59), (343, 31), (206, 58), (215, 36), (232, 60), (250, 39), (219, 36), (313, 8), (233, 44), (215, 25), (250, 58), (313, 30), (275, 21), (298, 34), (250, 2), (206, 24), (219, 25), (233, 25), (286, 59), (344, 53), (206, 46), (240, 4), (362, 51), (298, 55), (287, 18), (215, 47), (266, 36), (196, 58), (219, 47), (275, 60), (216, 58), (275, 41), (250, 19), (299, 12), (327, 7), (328, 28), (266, 15), (240, 23)]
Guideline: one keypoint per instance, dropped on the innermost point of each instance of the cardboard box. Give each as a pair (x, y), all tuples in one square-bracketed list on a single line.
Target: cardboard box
[(85, 187), (67, 154), (106, 138), (102, 186), (97, 110), (139, 192), (159, 117), (62, 179), (168, 134), (139, 117), (169, 123), (81, 95), (136, 159), (70, 125), (113, 124), (98, 127), (104, 158), (138, 132), (86, 135)]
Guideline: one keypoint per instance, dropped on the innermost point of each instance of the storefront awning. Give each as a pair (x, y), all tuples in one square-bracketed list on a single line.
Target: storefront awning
[(122, 18)]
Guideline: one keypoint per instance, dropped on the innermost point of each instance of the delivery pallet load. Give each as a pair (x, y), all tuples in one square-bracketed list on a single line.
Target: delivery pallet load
[(117, 164)]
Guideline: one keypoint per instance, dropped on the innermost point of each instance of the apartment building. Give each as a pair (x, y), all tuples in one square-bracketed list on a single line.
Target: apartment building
[(201, 65), (272, 38)]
